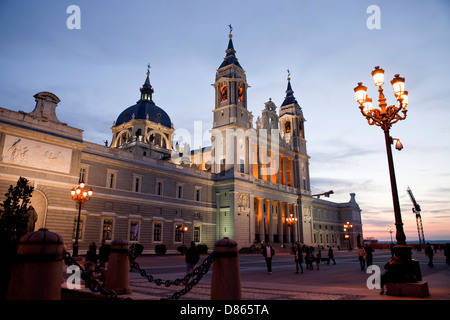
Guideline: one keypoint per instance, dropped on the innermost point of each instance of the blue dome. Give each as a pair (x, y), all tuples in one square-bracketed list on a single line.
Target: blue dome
[(145, 110)]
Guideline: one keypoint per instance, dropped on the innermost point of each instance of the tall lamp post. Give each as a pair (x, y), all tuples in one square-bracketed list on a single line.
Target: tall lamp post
[(80, 195), (385, 116), (347, 228), (391, 230), (183, 230), (290, 222)]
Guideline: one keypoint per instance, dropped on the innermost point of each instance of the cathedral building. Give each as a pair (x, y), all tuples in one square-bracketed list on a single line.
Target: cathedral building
[(248, 185)]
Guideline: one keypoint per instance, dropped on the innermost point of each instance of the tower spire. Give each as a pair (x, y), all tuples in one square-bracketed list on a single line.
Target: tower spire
[(289, 99), (230, 57), (147, 90)]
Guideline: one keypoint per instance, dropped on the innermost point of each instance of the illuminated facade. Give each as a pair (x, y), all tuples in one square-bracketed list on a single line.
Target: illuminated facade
[(254, 175)]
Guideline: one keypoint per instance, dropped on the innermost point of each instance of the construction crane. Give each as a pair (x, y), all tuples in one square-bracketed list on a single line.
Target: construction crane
[(416, 210), (326, 194)]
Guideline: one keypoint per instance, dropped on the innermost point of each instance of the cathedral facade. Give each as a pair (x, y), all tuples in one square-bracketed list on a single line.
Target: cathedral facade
[(251, 184)]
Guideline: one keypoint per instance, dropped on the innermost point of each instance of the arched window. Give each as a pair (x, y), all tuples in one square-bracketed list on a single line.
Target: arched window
[(287, 127), (223, 93)]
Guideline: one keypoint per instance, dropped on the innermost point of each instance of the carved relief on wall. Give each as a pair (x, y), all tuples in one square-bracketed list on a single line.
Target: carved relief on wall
[(243, 201), (25, 152), (306, 213)]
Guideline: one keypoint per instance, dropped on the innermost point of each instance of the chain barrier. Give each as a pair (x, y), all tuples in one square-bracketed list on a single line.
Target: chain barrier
[(90, 279), (197, 274)]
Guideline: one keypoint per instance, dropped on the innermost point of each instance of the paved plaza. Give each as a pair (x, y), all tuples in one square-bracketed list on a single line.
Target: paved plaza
[(343, 281)]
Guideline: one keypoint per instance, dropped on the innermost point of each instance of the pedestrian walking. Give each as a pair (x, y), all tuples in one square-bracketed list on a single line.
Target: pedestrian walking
[(298, 257), (192, 257), (91, 254), (429, 253), (330, 255), (268, 252), (318, 257), (447, 253), (369, 254), (103, 253), (362, 258), (309, 258)]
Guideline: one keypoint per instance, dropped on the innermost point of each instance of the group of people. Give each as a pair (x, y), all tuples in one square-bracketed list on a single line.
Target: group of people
[(103, 254), (268, 252), (365, 256)]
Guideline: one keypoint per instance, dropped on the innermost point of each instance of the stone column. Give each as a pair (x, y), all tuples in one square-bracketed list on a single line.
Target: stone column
[(270, 219), (280, 222), (226, 277), (37, 272), (117, 278)]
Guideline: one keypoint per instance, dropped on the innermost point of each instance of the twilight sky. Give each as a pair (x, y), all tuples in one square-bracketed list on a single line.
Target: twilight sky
[(327, 45)]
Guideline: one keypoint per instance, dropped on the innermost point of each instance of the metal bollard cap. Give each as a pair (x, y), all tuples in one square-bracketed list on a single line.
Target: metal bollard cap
[(42, 236), (41, 243)]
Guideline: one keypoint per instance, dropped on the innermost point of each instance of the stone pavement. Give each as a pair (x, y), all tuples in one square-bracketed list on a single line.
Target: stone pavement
[(343, 281)]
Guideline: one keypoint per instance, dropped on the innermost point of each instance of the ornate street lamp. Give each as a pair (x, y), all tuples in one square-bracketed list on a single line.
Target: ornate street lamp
[(391, 230), (291, 221), (347, 228), (385, 116), (183, 230), (80, 195)]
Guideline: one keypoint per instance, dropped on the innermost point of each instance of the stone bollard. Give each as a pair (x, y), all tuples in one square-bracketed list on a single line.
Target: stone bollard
[(226, 277), (117, 277), (37, 270)]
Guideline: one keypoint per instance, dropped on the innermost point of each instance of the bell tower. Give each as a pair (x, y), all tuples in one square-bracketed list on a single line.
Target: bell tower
[(292, 130), (230, 147), (231, 92)]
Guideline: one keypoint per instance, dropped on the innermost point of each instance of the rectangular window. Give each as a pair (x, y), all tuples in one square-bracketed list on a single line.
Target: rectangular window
[(198, 193), (107, 229), (157, 228), (197, 233), (111, 176), (136, 183), (133, 234), (179, 191), (159, 188), (178, 233), (242, 165), (83, 174)]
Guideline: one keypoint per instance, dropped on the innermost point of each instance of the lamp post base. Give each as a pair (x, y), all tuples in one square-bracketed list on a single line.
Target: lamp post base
[(75, 250), (402, 268)]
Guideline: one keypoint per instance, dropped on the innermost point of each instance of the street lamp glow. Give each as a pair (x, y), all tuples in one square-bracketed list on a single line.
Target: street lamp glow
[(80, 196), (360, 93), (367, 105), (378, 76), (398, 84)]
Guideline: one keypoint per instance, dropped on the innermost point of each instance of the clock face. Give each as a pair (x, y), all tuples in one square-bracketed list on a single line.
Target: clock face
[(224, 93)]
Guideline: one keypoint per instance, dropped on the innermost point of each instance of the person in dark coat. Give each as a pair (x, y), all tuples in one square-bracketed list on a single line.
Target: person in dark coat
[(103, 253), (309, 258), (192, 257), (429, 253), (298, 257), (330, 255), (91, 254), (369, 255), (268, 252)]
